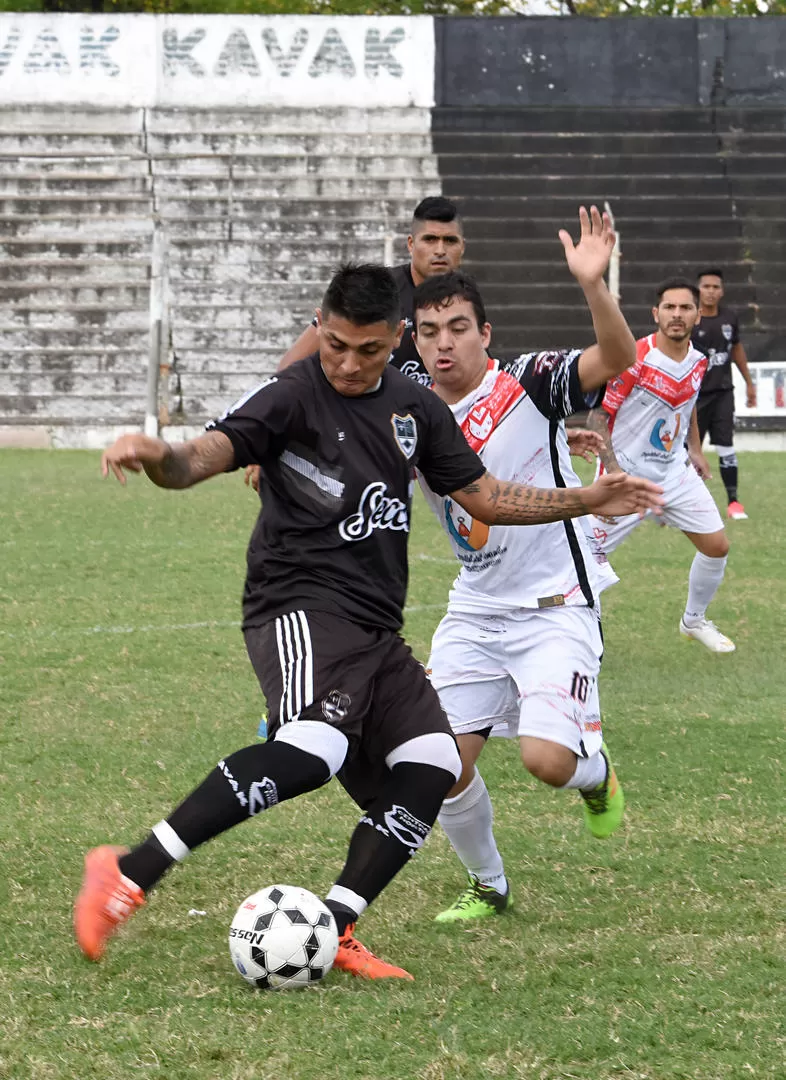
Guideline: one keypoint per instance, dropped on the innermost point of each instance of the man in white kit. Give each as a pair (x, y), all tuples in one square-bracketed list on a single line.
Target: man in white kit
[(651, 409), (519, 650)]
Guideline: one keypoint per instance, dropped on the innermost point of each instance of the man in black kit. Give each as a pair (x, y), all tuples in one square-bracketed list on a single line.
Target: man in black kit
[(338, 436), (717, 334), (436, 246)]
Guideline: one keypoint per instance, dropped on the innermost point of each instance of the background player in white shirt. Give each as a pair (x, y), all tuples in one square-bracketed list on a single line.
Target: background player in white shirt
[(651, 408), (519, 650)]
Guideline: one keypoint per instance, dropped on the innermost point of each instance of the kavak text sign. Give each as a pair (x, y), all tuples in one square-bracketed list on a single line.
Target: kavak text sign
[(145, 60)]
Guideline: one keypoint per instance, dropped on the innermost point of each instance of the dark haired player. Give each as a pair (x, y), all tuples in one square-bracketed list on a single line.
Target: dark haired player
[(717, 335), (518, 652), (436, 245), (651, 409), (337, 436)]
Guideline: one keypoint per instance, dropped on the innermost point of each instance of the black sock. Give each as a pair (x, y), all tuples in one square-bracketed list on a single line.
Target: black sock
[(343, 915), (729, 478), (394, 826), (241, 786)]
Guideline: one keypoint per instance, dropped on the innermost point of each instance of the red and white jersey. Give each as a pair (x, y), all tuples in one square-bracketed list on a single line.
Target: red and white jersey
[(514, 421), (650, 406)]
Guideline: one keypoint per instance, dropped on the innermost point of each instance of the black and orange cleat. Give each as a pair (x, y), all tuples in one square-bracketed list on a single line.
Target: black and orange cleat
[(107, 899)]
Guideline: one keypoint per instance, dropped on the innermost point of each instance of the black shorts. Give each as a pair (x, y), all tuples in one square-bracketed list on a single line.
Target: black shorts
[(364, 681), (715, 414)]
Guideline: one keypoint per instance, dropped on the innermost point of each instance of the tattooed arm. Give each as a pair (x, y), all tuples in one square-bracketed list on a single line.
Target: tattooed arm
[(179, 466), (498, 502), (598, 421)]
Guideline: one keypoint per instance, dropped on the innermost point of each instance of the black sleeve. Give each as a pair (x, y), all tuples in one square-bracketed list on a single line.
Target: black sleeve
[(551, 379), (446, 460), (256, 424)]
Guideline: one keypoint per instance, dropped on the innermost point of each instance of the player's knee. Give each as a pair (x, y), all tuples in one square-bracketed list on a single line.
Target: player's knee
[(436, 748), (322, 740), (549, 762)]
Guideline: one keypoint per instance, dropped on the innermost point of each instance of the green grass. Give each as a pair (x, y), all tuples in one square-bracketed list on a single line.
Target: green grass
[(656, 955)]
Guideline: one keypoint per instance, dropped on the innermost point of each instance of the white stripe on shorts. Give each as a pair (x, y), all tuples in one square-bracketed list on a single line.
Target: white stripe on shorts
[(296, 658)]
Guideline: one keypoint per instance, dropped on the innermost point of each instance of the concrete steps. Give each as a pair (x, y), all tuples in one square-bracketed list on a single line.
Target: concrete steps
[(688, 188)]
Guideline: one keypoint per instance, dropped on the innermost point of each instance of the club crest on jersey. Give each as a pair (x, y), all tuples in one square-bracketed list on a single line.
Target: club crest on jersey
[(726, 330), (406, 432), (480, 422)]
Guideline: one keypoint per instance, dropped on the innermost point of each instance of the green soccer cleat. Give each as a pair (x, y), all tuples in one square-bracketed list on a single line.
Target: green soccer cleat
[(476, 902), (605, 804)]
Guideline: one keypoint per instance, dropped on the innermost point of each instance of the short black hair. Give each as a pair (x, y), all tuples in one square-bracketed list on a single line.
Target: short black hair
[(437, 291), (677, 283), (709, 270), (363, 293), (436, 208)]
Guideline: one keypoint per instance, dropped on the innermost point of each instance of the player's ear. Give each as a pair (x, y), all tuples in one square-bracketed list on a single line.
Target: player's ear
[(485, 334), (410, 243), (318, 317), (400, 332), (655, 314)]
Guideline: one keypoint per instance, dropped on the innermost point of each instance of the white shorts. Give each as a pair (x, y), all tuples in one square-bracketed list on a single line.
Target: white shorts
[(688, 505), (523, 673)]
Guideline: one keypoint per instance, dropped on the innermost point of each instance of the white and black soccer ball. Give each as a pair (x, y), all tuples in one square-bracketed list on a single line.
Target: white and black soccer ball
[(283, 937)]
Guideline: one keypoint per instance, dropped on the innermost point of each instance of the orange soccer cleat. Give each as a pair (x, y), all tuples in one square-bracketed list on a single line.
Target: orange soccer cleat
[(357, 960), (107, 900)]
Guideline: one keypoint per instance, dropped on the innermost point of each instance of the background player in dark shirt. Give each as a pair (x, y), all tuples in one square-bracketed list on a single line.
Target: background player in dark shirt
[(717, 334), (337, 436), (436, 246)]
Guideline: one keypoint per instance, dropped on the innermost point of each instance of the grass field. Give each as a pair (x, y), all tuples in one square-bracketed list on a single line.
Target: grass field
[(656, 955)]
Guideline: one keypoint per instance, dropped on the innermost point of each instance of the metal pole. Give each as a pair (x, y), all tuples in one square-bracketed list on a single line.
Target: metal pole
[(388, 251), (614, 264), (157, 261)]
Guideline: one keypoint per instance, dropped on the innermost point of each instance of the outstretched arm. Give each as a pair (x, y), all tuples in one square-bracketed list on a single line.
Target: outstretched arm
[(179, 466), (588, 261), (598, 421), (498, 502)]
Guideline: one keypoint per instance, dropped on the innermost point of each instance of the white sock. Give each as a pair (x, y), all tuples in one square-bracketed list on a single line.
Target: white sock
[(704, 580), (468, 821), (590, 773), (348, 898)]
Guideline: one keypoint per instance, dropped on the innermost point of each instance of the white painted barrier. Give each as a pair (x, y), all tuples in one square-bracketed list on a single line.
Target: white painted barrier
[(213, 60)]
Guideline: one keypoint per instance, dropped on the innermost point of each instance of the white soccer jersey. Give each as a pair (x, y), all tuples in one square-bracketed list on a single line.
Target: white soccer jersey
[(514, 420), (650, 406)]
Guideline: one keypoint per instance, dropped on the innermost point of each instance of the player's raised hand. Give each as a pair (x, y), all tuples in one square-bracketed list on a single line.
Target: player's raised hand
[(589, 259), (132, 452), (617, 494)]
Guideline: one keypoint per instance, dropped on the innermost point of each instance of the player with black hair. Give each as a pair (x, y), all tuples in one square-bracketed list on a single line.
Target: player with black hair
[(717, 335), (651, 408), (518, 652), (337, 436)]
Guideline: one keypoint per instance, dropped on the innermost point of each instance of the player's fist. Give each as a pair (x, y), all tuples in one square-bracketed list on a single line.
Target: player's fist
[(584, 443), (617, 494), (251, 477), (132, 452)]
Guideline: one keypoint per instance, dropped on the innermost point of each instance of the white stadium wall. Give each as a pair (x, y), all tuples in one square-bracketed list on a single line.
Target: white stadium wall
[(176, 191)]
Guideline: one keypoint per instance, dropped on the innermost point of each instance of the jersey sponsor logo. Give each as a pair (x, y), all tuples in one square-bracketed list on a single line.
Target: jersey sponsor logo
[(717, 358), (413, 370), (406, 432), (376, 510), (469, 534), (663, 439)]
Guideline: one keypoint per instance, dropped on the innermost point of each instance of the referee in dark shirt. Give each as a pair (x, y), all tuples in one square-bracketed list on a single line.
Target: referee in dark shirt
[(338, 436)]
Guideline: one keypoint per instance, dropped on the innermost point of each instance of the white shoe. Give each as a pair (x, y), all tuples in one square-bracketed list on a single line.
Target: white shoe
[(709, 635)]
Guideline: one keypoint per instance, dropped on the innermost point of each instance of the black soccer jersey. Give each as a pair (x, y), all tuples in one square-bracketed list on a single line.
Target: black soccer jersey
[(714, 335), (336, 487)]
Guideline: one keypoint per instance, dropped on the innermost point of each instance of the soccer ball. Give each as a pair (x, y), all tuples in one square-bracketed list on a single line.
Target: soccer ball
[(283, 937)]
